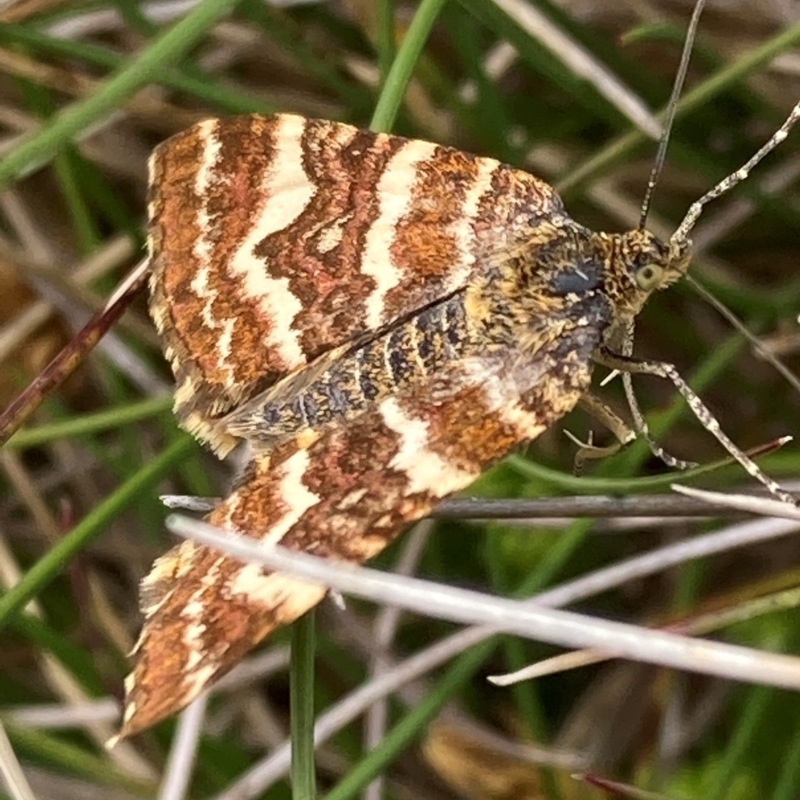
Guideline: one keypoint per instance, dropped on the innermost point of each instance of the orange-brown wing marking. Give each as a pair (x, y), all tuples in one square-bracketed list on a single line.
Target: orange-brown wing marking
[(345, 498), (275, 239)]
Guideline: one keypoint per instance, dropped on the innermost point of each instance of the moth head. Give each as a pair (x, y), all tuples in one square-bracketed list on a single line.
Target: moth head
[(639, 264)]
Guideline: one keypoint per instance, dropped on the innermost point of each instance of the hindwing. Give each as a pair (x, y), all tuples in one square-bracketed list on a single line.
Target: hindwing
[(344, 497)]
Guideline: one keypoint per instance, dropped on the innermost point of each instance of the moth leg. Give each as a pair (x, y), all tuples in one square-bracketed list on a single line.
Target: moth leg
[(620, 342), (640, 425), (662, 369), (602, 412)]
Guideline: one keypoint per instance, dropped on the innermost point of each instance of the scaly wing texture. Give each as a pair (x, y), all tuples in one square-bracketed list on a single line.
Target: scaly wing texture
[(345, 497), (275, 239)]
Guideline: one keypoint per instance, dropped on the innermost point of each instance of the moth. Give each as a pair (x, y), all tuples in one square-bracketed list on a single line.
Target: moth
[(378, 319)]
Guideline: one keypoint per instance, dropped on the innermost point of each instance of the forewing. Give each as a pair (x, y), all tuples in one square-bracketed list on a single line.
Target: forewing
[(275, 239), (345, 497)]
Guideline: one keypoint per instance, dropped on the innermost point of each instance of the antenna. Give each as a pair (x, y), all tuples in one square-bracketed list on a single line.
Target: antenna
[(763, 351), (672, 109), (681, 235), (640, 425)]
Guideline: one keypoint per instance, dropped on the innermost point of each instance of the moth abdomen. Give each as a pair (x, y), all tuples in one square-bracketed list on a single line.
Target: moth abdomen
[(341, 386)]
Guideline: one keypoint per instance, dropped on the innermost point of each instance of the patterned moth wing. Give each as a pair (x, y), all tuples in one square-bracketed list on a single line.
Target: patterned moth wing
[(380, 319), (344, 497), (274, 240)]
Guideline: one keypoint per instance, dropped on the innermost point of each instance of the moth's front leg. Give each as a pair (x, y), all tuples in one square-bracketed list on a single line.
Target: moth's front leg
[(662, 369)]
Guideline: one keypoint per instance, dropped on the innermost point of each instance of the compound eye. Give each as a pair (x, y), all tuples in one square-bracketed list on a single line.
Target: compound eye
[(649, 276)]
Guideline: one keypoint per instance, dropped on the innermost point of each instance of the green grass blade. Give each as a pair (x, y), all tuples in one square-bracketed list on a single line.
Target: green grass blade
[(304, 776), (407, 56), (97, 422), (164, 51)]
